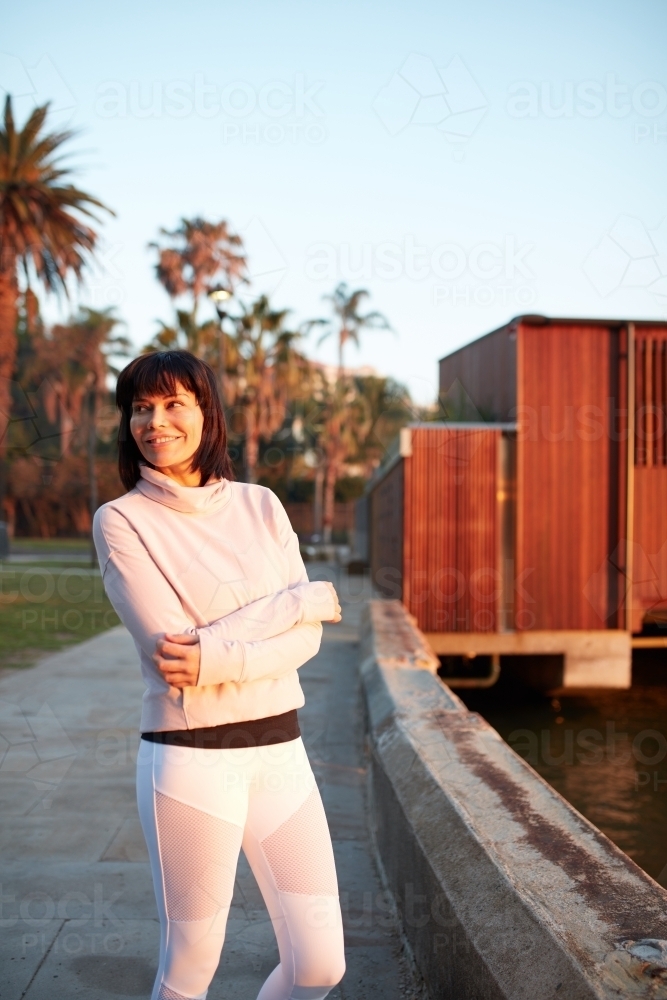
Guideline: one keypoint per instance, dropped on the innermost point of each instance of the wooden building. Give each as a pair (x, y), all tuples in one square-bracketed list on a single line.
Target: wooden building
[(536, 522)]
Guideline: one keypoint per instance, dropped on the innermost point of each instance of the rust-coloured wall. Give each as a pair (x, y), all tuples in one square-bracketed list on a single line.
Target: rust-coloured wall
[(567, 474), (386, 533), (650, 542), (486, 371), (450, 555), (651, 395), (649, 556), (565, 382)]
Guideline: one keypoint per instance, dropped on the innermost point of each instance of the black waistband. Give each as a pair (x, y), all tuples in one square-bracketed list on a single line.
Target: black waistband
[(233, 735)]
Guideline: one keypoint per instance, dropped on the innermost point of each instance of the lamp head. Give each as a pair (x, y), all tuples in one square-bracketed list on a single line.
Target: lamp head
[(219, 294)]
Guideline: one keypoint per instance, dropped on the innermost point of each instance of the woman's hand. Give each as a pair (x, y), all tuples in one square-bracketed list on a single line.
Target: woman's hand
[(177, 657), (338, 613)]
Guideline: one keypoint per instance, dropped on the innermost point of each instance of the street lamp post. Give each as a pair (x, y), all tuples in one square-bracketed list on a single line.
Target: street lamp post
[(219, 296)]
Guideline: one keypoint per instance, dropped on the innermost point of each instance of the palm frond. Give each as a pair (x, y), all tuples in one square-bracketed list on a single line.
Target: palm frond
[(42, 223)]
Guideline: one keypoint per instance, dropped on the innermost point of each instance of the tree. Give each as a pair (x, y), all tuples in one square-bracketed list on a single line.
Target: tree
[(347, 322), (200, 338), (270, 370), (343, 420), (198, 256), (193, 259), (73, 361), (44, 232), (388, 407)]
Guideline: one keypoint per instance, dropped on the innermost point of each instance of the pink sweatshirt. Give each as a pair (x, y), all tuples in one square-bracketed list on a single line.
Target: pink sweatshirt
[(223, 561)]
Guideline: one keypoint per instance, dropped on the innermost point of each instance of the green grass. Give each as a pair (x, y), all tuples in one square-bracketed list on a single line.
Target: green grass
[(46, 607), (49, 545), (54, 561)]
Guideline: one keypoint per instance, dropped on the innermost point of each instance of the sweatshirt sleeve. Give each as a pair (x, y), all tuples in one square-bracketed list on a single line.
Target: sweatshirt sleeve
[(131, 575), (141, 595), (287, 647)]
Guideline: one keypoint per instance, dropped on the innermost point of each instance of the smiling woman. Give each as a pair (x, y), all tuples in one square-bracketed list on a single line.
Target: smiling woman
[(172, 418), (206, 575), (167, 431)]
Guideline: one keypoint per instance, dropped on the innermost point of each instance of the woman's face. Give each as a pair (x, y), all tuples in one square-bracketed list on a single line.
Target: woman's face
[(168, 429)]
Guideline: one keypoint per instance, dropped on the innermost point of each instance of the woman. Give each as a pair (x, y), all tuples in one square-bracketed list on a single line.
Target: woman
[(206, 575)]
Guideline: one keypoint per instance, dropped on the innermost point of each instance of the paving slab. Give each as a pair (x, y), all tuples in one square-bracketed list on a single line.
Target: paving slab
[(77, 910)]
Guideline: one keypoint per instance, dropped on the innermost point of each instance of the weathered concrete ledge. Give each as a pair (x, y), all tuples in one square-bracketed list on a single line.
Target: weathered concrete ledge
[(504, 890)]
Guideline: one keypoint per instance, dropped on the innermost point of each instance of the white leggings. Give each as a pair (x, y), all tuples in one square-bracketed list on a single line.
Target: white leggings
[(198, 808)]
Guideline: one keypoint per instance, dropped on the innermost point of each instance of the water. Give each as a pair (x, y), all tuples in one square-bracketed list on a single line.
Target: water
[(606, 753)]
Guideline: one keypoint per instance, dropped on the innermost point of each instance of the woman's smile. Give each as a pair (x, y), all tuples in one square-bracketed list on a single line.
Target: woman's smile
[(168, 430), (162, 440)]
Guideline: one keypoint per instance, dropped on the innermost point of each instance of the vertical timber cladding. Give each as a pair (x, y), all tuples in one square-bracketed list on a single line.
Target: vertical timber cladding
[(478, 382), (649, 557), (567, 474), (386, 533), (451, 544)]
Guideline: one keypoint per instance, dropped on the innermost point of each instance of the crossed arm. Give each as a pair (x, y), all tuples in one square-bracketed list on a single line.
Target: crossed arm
[(266, 638), (178, 657)]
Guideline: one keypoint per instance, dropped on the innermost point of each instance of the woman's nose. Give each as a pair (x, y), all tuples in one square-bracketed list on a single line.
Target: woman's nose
[(157, 417)]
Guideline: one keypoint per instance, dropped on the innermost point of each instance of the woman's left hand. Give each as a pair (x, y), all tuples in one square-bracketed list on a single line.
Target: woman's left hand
[(177, 657), (338, 614)]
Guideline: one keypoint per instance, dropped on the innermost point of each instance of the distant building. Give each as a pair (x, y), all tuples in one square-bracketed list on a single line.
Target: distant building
[(330, 372), (535, 521)]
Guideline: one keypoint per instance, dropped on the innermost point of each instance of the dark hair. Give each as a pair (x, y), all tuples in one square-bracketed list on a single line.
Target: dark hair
[(158, 374)]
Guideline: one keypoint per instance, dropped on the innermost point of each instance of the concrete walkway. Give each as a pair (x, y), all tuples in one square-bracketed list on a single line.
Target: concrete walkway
[(78, 915)]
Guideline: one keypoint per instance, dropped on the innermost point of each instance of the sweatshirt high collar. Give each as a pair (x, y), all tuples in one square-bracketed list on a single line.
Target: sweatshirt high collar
[(187, 499)]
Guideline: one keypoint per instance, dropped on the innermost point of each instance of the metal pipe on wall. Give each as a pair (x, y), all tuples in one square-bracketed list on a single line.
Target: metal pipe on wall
[(476, 682)]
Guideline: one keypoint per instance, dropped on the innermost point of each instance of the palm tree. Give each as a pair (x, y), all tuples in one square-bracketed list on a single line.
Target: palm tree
[(44, 231), (200, 338), (342, 422), (199, 255), (345, 421), (347, 322), (270, 370), (193, 259), (73, 361), (389, 408)]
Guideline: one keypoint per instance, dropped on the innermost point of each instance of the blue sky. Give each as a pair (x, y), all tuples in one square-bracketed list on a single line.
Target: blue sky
[(463, 162)]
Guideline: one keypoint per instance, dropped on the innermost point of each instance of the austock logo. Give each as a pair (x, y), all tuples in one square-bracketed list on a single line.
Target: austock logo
[(448, 100), (272, 112), (647, 576), (595, 747), (31, 86), (586, 99), (630, 256), (23, 428), (35, 746)]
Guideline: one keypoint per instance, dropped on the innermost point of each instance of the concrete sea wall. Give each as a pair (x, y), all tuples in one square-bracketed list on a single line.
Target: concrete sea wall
[(504, 890)]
